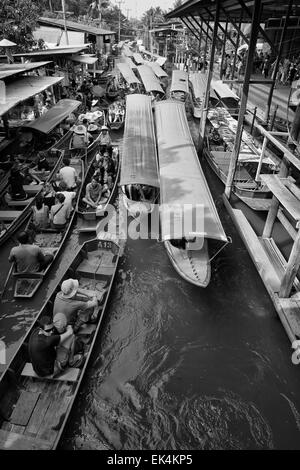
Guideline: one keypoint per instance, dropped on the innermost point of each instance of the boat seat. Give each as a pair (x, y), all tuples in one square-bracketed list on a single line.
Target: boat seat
[(69, 375), (24, 203), (32, 189), (9, 215), (14, 441)]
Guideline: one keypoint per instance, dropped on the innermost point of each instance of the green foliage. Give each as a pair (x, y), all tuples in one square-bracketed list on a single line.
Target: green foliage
[(17, 20), (153, 17)]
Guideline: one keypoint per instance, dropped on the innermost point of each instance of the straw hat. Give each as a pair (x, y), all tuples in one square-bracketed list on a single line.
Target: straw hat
[(60, 322), (97, 114), (92, 127), (69, 287), (89, 116), (104, 128), (80, 129), (81, 117)]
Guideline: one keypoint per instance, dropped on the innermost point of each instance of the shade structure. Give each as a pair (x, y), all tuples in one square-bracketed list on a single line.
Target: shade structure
[(159, 72), (139, 156), (198, 81), (127, 73), (223, 90), (48, 121), (127, 52), (84, 59), (149, 79), (183, 187), (129, 62), (138, 58), (7, 43), (180, 81), (161, 60), (23, 88)]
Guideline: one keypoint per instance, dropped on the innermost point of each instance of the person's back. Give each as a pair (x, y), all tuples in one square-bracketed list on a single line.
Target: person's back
[(60, 212), (27, 257), (79, 141), (40, 216), (68, 175), (42, 352)]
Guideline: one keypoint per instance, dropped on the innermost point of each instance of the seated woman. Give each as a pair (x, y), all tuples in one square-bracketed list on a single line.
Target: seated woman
[(93, 193), (42, 163), (60, 213), (108, 187), (28, 179), (16, 182), (40, 214)]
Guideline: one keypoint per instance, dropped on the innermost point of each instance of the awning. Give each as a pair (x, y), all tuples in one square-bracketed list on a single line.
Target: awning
[(183, 187), (198, 81), (139, 157), (180, 81), (149, 79), (161, 60), (138, 58), (128, 74), (159, 72), (127, 52), (84, 59), (48, 121), (23, 88), (223, 90), (130, 63)]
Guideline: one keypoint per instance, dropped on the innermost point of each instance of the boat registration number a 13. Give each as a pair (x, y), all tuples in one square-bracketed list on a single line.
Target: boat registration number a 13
[(104, 244)]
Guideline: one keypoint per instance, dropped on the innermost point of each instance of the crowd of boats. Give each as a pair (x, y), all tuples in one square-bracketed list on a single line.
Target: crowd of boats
[(156, 165)]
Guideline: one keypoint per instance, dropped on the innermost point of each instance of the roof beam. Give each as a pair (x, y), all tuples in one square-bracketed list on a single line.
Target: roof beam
[(200, 26), (191, 30), (221, 27), (236, 27)]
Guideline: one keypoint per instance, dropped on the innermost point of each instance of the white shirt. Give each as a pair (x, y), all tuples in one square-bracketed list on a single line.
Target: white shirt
[(68, 175), (69, 196)]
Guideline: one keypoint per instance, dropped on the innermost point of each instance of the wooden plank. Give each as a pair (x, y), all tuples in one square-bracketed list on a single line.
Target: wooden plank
[(284, 196), (53, 419), (19, 203), (9, 215), (39, 412), (69, 375), (14, 441), (32, 189), (87, 329), (24, 408), (291, 311)]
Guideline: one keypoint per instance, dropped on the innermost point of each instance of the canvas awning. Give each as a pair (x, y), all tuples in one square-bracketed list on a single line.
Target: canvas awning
[(159, 72), (23, 88), (84, 59), (139, 157), (138, 58), (223, 90), (127, 73), (127, 52), (198, 81), (183, 186), (180, 81), (48, 121), (161, 60), (130, 63), (149, 79)]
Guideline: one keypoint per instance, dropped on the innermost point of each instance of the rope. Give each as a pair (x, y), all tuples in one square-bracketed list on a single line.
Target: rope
[(229, 240)]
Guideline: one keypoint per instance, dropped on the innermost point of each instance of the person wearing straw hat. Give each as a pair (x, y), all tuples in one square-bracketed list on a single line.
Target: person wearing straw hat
[(81, 137), (74, 303), (104, 139), (42, 346)]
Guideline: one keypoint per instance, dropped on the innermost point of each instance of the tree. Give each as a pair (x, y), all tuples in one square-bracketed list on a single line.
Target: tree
[(17, 21), (177, 4), (153, 17)]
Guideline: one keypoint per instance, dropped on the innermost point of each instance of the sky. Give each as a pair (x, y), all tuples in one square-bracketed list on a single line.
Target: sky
[(138, 7)]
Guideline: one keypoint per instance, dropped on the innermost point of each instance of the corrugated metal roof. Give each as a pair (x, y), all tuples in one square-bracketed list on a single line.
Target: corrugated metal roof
[(75, 26), (9, 70)]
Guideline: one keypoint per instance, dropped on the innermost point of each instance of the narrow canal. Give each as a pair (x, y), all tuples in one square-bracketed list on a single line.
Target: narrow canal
[(178, 367)]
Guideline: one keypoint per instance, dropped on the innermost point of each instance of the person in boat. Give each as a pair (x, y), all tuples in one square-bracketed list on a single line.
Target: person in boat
[(8, 163), (28, 257), (93, 127), (60, 213), (69, 195), (40, 214), (16, 182), (42, 346), (27, 177), (27, 114), (214, 136), (75, 304), (93, 193), (108, 187), (42, 162), (68, 174), (104, 139), (81, 137)]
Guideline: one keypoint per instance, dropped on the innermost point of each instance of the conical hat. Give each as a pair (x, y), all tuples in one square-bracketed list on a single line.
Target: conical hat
[(7, 43), (295, 97)]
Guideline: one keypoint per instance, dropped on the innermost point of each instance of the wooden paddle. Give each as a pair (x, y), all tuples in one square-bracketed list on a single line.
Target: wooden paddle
[(6, 281)]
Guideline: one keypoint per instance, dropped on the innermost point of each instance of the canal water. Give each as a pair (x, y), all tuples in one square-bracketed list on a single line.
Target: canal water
[(175, 366)]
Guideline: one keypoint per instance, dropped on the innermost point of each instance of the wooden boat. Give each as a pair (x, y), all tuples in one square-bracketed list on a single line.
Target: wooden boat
[(14, 213), (220, 136), (179, 85), (226, 97), (151, 82), (38, 408), (51, 241), (88, 219), (133, 84), (139, 171), (119, 108), (138, 58), (190, 225), (198, 82)]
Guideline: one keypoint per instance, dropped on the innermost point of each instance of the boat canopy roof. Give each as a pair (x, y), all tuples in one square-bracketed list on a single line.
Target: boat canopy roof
[(139, 156), (180, 81), (183, 187), (149, 79), (159, 72), (127, 52), (130, 62), (198, 81), (128, 74), (48, 121), (138, 58), (222, 90)]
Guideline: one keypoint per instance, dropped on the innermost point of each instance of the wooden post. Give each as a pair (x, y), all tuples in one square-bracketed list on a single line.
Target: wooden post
[(272, 214), (209, 77), (275, 70), (253, 120), (205, 49), (236, 48), (237, 143), (264, 145), (291, 269), (224, 50)]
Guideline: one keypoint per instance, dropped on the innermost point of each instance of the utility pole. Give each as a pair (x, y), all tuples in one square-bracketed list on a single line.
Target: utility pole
[(128, 10), (119, 2), (65, 21)]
